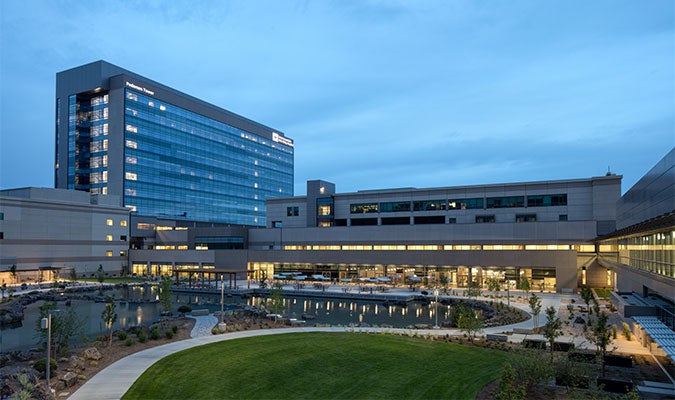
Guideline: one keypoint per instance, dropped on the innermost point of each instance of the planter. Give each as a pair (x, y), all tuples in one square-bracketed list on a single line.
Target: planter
[(618, 361), (615, 385)]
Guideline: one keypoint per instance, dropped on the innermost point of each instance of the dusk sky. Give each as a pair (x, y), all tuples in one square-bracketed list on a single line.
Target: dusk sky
[(376, 94)]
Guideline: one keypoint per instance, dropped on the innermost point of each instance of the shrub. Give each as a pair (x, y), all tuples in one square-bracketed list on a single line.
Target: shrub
[(154, 333), (174, 328), (184, 309), (169, 334), (129, 342), (614, 332), (41, 366), (142, 337), (121, 335), (626, 330)]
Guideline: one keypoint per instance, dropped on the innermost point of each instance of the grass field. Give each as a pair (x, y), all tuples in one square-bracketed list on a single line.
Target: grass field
[(321, 366)]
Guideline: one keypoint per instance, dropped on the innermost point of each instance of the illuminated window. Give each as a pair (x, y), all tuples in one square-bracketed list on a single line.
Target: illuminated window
[(109, 222), (131, 128), (161, 107), (108, 238), (131, 160), (123, 222), (123, 253), (108, 253), (145, 227), (485, 219), (526, 217), (130, 176), (131, 144), (363, 208)]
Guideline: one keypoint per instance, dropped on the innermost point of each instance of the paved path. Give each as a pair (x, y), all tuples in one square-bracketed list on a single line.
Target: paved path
[(203, 326)]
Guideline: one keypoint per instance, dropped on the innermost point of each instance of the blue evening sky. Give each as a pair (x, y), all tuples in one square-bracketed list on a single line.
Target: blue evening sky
[(376, 94)]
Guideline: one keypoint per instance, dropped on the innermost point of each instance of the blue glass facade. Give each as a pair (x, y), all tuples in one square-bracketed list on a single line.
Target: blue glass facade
[(182, 165)]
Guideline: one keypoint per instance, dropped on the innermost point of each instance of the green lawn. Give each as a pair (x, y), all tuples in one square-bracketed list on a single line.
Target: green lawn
[(321, 366)]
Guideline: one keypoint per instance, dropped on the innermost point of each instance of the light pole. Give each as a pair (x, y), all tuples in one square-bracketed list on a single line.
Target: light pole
[(436, 307), (47, 324), (221, 325)]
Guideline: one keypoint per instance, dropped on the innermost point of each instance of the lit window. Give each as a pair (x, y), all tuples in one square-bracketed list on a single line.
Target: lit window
[(123, 222), (132, 96), (131, 160), (130, 176), (151, 103), (131, 144), (123, 253), (108, 253), (131, 128), (161, 107), (109, 222), (108, 238)]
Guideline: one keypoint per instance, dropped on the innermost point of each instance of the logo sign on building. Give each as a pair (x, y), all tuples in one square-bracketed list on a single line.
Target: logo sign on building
[(281, 139), (140, 88)]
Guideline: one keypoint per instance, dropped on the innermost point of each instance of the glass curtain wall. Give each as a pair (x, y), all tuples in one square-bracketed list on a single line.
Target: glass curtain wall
[(182, 165)]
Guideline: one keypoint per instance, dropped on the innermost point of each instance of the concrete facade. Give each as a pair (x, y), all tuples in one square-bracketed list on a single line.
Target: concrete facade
[(46, 230)]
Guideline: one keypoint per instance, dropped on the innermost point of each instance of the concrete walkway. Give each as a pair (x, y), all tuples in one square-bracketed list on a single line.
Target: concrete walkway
[(203, 326)]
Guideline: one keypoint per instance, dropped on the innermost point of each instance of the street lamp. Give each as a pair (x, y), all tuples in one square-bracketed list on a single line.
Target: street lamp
[(47, 324), (221, 325), (436, 307)]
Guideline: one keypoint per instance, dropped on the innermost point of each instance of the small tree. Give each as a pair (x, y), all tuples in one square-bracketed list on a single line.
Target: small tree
[(109, 316), (166, 294), (100, 275), (553, 327), (263, 280), (12, 271), (570, 312), (73, 275), (473, 290), (535, 305), (600, 334), (493, 284), (469, 321), (275, 302), (587, 297), (65, 326), (3, 289), (525, 285)]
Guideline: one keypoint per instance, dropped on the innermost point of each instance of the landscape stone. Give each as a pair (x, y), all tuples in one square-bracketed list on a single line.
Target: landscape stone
[(69, 379), (92, 353)]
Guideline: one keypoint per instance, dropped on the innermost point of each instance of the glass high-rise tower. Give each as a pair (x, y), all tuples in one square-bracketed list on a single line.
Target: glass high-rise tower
[(167, 154)]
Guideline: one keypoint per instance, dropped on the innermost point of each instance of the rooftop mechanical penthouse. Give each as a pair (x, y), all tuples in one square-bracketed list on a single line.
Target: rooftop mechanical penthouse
[(166, 154)]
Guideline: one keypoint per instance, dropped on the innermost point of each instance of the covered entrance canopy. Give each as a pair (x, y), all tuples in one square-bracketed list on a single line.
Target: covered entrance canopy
[(205, 277)]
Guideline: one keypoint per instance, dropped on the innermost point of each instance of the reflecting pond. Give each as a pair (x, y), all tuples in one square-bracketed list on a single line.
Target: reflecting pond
[(142, 307)]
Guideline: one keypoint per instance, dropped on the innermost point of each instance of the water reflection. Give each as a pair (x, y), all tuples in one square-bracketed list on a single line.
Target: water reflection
[(140, 307)]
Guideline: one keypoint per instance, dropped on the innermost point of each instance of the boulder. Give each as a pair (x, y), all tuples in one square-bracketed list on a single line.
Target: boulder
[(77, 363), (92, 353), (69, 379)]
